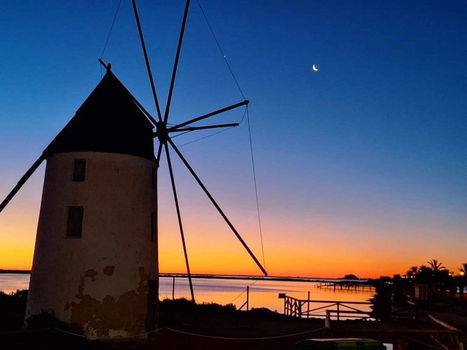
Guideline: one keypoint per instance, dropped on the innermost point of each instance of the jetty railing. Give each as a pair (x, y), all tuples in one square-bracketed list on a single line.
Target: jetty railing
[(324, 308)]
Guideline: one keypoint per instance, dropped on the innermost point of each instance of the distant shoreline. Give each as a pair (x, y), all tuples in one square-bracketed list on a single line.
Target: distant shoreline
[(268, 278), (238, 277), (25, 272)]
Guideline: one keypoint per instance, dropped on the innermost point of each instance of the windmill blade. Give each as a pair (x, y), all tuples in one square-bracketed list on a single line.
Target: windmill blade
[(179, 217), (206, 127), (222, 110), (234, 230), (146, 59), (159, 151), (177, 56), (21, 182)]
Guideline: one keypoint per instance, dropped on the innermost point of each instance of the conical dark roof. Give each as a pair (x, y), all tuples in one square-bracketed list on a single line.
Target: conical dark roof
[(108, 121)]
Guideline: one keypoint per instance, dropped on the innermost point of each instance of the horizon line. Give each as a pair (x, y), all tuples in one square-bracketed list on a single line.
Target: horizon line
[(211, 275)]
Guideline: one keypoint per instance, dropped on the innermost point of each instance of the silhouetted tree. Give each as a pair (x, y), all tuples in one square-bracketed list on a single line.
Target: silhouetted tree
[(462, 279), (437, 278), (12, 308), (436, 265), (382, 301), (350, 277), (399, 288), (412, 272), (440, 275), (463, 269), (424, 275)]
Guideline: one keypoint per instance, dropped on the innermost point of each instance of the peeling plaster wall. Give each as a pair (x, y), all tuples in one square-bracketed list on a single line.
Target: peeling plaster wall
[(100, 281)]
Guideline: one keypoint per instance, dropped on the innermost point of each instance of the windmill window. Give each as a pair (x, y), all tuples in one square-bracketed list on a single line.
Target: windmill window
[(75, 222), (79, 170)]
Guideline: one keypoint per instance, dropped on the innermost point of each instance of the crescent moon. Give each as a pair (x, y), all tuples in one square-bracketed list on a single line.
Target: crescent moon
[(315, 68)]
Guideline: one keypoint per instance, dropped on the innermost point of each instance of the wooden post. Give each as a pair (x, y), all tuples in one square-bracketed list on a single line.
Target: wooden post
[(173, 288), (327, 321), (337, 311), (308, 306), (247, 298)]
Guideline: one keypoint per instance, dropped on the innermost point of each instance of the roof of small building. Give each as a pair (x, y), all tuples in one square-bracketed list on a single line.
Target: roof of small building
[(108, 121)]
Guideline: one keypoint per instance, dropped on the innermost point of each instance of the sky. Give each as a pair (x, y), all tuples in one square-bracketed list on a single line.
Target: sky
[(361, 167)]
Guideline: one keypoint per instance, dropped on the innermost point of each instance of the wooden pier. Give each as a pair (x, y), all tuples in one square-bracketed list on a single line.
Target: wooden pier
[(345, 285)]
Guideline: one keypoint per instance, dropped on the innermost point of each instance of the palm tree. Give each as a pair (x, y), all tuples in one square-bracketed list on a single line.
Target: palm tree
[(440, 274), (436, 265), (412, 272), (462, 279), (463, 269), (425, 274)]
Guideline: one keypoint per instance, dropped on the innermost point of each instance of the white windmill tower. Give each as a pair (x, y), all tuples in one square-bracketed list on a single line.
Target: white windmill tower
[(95, 259), (95, 253)]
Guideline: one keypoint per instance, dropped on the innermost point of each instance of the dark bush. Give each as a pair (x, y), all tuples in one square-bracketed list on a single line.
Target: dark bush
[(382, 302)]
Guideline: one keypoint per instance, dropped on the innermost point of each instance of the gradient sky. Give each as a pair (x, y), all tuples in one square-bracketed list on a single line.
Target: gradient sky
[(361, 167)]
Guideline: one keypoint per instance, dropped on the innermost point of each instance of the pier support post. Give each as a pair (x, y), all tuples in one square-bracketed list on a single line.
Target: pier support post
[(327, 321), (173, 288)]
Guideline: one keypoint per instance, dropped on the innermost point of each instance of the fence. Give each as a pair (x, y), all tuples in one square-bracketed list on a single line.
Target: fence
[(339, 309)]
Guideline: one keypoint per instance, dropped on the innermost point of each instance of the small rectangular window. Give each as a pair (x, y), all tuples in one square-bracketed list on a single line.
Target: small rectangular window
[(75, 221), (79, 170)]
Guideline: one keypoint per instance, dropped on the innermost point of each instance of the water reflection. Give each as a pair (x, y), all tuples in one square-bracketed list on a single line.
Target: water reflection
[(225, 291), (11, 282), (262, 293)]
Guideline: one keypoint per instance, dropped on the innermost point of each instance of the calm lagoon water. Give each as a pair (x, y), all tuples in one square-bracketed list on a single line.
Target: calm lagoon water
[(225, 291), (10, 282)]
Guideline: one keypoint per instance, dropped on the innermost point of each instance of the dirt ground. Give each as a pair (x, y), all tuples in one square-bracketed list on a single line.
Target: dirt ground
[(184, 325)]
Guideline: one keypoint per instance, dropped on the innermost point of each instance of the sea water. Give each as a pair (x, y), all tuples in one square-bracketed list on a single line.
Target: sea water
[(262, 293)]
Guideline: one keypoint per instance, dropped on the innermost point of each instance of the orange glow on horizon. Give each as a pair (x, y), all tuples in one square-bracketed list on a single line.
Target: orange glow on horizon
[(322, 252)]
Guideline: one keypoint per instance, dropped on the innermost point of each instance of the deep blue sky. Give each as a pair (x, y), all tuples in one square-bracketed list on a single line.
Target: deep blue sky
[(372, 148)]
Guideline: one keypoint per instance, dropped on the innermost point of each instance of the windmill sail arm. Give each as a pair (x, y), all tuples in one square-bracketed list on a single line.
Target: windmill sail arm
[(206, 127), (146, 60), (177, 57), (194, 128), (21, 182), (179, 218), (221, 212), (159, 151), (222, 110), (144, 111)]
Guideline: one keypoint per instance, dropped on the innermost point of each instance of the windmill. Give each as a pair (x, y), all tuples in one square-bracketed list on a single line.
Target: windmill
[(94, 258), (163, 133)]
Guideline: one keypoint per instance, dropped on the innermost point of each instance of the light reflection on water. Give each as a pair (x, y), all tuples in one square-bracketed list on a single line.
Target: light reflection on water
[(11, 282), (262, 293), (224, 291)]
